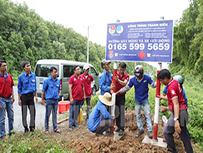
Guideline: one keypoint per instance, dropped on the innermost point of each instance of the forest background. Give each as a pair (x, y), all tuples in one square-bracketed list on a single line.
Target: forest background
[(24, 35)]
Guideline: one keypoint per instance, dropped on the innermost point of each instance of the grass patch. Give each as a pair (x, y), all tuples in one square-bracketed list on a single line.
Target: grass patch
[(35, 142)]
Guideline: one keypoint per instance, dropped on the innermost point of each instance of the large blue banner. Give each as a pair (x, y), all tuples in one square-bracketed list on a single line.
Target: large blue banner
[(140, 41)]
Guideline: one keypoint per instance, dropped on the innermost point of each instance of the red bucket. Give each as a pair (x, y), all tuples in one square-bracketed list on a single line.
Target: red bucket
[(63, 106)]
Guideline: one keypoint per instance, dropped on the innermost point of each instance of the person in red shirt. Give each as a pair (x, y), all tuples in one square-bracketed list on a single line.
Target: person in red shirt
[(177, 121), (77, 95), (6, 99), (121, 81), (87, 79)]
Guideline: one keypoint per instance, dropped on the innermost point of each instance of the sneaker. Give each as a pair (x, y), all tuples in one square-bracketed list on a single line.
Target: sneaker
[(46, 132), (32, 130), (26, 131), (77, 126), (98, 135), (117, 130), (57, 131), (11, 133), (139, 133), (3, 138), (121, 132), (70, 128), (150, 134), (106, 133)]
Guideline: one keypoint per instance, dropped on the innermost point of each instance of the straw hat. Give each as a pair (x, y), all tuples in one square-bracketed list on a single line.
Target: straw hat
[(106, 99)]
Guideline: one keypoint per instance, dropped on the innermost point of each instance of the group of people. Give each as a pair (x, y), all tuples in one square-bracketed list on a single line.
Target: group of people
[(100, 119), (100, 116), (79, 89)]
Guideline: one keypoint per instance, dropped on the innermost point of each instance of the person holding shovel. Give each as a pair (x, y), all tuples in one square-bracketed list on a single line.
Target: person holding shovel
[(100, 119), (140, 83), (163, 96), (121, 81), (177, 121)]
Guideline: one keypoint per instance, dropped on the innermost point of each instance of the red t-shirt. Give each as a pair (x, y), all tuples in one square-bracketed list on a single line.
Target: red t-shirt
[(77, 87), (175, 90), (6, 84), (87, 84), (124, 77)]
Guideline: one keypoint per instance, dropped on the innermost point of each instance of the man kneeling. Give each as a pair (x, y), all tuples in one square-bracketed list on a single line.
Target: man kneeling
[(100, 119)]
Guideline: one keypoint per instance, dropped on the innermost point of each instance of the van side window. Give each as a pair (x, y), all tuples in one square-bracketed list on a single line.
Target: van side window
[(67, 71), (93, 71), (43, 70), (82, 71)]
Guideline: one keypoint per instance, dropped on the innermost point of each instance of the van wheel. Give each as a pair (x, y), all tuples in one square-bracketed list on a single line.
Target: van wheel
[(94, 90)]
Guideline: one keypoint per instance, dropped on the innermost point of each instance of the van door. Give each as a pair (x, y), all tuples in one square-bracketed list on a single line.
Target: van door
[(67, 73), (95, 83), (42, 72)]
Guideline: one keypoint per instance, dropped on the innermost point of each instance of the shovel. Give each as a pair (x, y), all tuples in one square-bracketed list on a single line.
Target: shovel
[(116, 135)]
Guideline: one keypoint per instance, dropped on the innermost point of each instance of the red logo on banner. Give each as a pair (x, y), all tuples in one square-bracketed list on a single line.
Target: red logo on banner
[(112, 27), (111, 54), (141, 55)]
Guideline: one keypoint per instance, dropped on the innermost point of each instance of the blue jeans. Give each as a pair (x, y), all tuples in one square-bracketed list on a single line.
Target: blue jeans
[(51, 105), (6, 105), (138, 104), (74, 112)]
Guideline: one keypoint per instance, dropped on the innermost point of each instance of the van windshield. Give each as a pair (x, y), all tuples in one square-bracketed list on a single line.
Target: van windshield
[(43, 70)]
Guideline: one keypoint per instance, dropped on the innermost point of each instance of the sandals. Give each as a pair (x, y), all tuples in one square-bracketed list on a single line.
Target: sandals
[(57, 131)]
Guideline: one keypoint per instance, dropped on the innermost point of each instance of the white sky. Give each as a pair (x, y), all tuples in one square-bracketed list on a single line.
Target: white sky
[(78, 14)]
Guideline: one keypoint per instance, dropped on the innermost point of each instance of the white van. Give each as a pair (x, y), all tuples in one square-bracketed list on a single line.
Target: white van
[(65, 71)]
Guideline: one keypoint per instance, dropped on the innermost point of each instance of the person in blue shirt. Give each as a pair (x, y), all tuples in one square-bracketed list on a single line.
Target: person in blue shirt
[(106, 78), (100, 119), (140, 83), (50, 92), (27, 88)]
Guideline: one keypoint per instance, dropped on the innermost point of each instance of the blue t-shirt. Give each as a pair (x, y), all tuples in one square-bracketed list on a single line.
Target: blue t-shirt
[(185, 97), (96, 116), (141, 88), (27, 84), (51, 88), (105, 82)]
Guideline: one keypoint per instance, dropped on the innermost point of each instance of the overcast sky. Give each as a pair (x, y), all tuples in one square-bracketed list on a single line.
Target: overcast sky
[(79, 14)]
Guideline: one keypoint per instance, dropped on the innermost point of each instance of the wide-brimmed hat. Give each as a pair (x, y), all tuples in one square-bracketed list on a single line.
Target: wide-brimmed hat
[(106, 99)]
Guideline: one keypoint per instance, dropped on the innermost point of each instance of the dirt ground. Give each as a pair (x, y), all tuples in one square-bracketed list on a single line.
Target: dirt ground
[(82, 140)]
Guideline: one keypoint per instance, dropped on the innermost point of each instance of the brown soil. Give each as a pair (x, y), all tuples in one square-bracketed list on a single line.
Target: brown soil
[(82, 140)]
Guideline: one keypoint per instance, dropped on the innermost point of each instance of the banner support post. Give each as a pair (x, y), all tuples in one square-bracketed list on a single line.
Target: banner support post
[(157, 101)]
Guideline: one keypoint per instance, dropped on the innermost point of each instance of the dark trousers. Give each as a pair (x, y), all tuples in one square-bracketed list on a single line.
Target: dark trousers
[(28, 101), (170, 129), (103, 125), (88, 106), (120, 111)]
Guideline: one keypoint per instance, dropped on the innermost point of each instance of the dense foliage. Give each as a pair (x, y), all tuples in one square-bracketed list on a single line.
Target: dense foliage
[(24, 35), (188, 41)]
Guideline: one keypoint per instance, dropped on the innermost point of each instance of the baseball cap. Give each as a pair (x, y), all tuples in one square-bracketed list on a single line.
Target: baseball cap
[(85, 67)]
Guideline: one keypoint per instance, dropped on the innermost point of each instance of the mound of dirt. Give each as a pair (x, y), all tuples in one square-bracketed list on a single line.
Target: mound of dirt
[(82, 140)]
